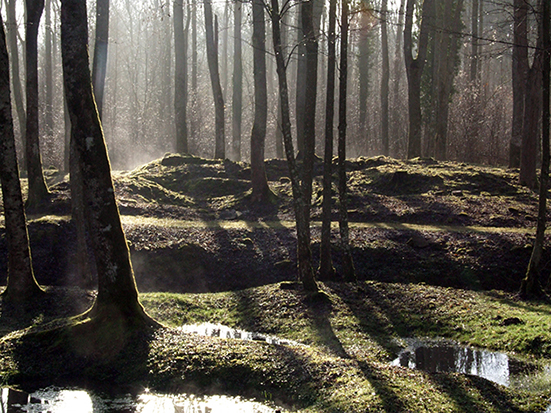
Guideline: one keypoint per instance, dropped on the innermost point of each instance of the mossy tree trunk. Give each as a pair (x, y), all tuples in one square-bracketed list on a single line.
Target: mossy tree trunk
[(38, 191), (260, 189), (531, 285), (304, 253), (22, 285), (348, 270), (326, 269), (117, 292)]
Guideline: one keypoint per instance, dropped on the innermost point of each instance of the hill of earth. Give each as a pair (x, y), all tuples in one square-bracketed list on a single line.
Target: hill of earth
[(439, 247)]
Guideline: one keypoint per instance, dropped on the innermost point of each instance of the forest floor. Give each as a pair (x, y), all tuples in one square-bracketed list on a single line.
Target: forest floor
[(439, 248)]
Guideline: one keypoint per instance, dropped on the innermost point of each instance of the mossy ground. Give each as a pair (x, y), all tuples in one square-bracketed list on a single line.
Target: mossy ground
[(423, 272)]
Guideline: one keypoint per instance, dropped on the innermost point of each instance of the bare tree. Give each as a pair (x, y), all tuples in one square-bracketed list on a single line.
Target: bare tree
[(531, 285), (260, 189), (117, 299), (38, 191), (237, 101), (211, 29), (414, 70), (385, 78), (21, 285), (180, 78), (304, 252), (348, 271)]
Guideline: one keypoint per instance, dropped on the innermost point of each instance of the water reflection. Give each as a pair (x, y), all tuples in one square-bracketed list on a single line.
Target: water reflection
[(219, 330), (449, 357), (54, 400)]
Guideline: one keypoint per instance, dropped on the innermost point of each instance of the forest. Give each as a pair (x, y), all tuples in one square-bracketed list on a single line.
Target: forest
[(293, 205)]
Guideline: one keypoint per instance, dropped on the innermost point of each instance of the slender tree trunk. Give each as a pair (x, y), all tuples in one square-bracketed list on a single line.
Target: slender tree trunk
[(300, 90), (398, 67), (326, 269), (212, 58), (520, 68), (99, 65), (260, 189), (531, 285), (385, 79), (237, 101), (414, 71), (117, 292), (22, 285), (304, 254), (180, 78), (38, 191), (349, 273), (279, 134), (12, 30), (363, 78)]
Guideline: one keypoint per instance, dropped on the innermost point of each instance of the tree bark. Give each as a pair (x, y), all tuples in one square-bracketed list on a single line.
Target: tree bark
[(21, 285), (117, 292), (99, 64), (180, 78), (474, 41), (304, 253), (260, 189), (414, 71), (385, 79), (237, 101), (38, 191), (520, 68), (48, 74), (212, 58), (531, 285), (326, 269), (348, 271)]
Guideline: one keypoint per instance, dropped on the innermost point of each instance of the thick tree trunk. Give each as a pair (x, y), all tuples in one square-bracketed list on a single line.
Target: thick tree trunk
[(414, 70), (99, 64), (16, 80), (260, 189), (21, 286), (38, 191), (237, 101), (180, 78), (520, 68), (326, 269), (531, 285), (117, 292), (385, 79), (212, 58), (304, 254), (348, 271)]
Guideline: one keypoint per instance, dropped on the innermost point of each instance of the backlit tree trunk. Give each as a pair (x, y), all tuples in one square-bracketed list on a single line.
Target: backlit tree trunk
[(326, 269), (304, 253), (99, 64), (180, 76), (212, 58), (385, 79), (237, 101), (261, 191), (117, 292), (21, 285), (38, 191), (414, 71), (348, 271), (531, 285)]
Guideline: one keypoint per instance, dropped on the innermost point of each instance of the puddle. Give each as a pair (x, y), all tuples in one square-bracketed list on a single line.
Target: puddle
[(54, 400), (445, 356), (219, 330)]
